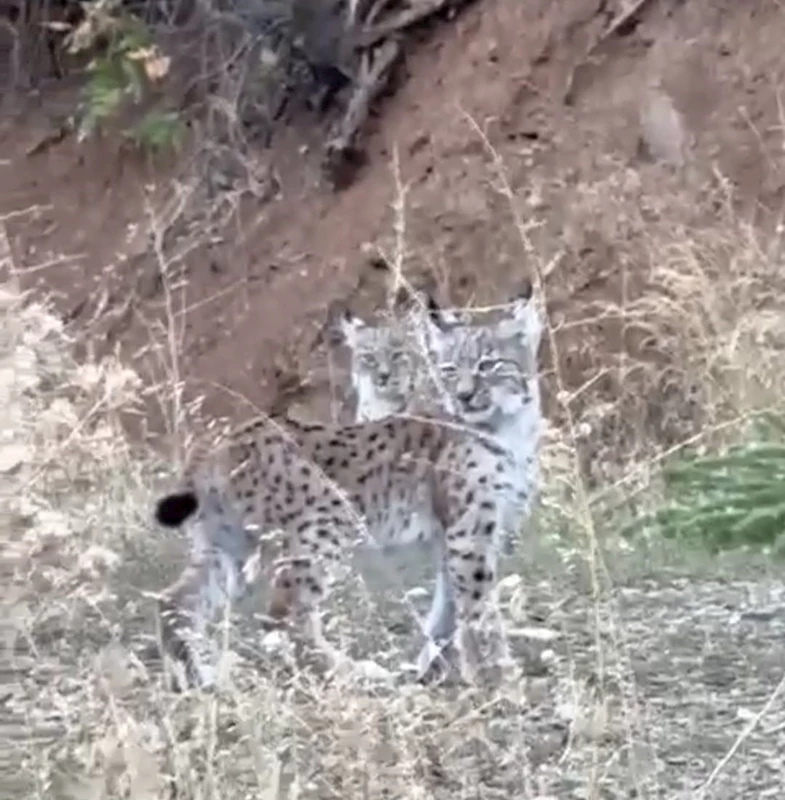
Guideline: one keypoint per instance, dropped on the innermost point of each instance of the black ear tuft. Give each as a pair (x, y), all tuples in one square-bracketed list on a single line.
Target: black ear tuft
[(402, 300), (525, 290), (330, 332), (379, 262), (174, 509), (435, 312)]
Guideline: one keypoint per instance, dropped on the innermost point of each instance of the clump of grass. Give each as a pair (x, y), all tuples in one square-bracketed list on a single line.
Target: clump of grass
[(685, 337), (70, 507)]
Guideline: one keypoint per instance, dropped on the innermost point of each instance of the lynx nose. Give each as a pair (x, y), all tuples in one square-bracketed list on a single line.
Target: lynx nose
[(383, 378), (464, 391)]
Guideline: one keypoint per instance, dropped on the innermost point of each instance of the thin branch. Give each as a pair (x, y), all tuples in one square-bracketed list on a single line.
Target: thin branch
[(371, 84)]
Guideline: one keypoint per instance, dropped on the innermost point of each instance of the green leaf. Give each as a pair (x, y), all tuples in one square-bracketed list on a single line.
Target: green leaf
[(158, 131)]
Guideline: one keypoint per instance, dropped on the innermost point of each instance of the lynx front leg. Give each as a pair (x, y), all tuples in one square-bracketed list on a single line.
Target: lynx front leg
[(439, 628), (472, 556)]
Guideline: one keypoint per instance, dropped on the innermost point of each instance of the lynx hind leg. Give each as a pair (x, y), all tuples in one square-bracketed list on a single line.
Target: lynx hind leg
[(187, 609), (182, 628), (298, 589)]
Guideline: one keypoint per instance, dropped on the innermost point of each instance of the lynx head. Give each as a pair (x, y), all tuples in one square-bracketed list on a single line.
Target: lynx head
[(381, 368), (385, 356), (489, 371)]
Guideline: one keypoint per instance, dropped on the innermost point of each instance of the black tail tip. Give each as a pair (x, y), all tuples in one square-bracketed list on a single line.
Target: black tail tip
[(174, 509)]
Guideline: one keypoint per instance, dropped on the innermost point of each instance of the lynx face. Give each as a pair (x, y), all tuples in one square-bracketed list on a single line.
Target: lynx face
[(490, 371), (486, 382), (382, 370)]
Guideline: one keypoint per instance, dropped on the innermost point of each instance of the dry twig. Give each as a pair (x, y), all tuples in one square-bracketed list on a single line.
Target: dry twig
[(405, 19), (370, 85)]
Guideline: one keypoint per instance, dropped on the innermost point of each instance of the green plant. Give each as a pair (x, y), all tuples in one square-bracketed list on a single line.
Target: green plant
[(731, 500), (157, 131), (125, 66)]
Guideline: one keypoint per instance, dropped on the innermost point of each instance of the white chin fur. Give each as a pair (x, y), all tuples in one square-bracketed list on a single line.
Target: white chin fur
[(512, 405), (477, 417)]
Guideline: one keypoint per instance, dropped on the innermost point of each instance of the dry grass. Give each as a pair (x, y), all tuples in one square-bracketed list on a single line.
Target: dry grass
[(670, 688), (700, 342)]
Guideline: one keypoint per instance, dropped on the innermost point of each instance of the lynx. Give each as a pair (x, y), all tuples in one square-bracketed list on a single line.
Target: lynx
[(325, 488), (490, 374), (389, 376), (488, 377)]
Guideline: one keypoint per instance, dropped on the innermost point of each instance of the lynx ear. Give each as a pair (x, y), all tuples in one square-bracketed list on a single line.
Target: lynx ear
[(525, 319), (340, 328), (348, 328), (445, 321), (406, 300), (413, 298), (525, 290), (435, 314)]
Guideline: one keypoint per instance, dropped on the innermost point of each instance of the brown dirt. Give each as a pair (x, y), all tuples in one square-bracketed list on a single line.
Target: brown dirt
[(255, 300)]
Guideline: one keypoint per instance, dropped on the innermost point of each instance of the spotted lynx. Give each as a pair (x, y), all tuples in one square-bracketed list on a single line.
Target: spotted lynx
[(390, 376), (488, 377), (490, 374), (325, 488)]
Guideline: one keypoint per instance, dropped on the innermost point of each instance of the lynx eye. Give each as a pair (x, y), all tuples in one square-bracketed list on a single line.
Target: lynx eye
[(368, 361), (487, 365), (448, 371)]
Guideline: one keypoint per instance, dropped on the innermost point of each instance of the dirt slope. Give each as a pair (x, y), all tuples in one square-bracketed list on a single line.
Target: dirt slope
[(684, 94)]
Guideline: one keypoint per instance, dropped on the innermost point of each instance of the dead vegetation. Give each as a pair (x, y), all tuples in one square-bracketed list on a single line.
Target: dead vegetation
[(686, 347)]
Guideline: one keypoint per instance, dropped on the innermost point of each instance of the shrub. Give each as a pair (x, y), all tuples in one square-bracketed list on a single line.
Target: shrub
[(125, 67)]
